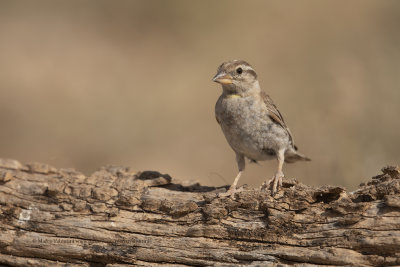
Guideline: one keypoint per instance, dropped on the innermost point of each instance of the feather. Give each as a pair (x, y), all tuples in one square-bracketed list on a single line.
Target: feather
[(275, 115)]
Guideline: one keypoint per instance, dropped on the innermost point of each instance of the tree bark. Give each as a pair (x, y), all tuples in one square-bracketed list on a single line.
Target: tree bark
[(119, 217)]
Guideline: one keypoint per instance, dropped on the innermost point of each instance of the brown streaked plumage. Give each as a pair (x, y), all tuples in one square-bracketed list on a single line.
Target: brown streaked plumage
[(251, 122)]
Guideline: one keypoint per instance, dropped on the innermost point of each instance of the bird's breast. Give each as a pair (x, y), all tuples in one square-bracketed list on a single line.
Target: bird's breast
[(241, 112), (245, 124)]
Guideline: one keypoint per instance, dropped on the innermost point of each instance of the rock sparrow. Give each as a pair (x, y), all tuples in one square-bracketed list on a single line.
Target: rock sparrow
[(251, 123)]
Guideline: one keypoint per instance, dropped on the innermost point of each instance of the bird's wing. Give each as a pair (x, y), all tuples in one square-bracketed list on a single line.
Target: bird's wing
[(275, 115)]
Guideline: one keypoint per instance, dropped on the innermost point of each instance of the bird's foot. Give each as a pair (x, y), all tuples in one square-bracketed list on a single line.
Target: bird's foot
[(274, 183), (231, 192)]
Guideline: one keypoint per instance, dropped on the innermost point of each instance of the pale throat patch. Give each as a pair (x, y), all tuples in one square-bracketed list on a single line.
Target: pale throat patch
[(234, 96)]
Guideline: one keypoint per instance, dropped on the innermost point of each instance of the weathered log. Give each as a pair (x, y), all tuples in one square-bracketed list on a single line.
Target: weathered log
[(119, 217)]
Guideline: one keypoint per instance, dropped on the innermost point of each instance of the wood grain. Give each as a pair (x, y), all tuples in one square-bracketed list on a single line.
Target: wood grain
[(120, 217)]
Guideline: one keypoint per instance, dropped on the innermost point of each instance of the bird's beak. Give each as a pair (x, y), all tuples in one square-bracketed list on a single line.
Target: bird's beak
[(222, 78)]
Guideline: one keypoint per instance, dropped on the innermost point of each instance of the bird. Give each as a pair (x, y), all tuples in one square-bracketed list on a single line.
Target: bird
[(252, 124)]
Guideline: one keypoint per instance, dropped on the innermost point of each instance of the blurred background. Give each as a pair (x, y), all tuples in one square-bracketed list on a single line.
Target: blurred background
[(89, 83)]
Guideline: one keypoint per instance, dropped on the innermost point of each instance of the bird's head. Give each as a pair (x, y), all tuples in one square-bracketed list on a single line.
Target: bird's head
[(237, 77)]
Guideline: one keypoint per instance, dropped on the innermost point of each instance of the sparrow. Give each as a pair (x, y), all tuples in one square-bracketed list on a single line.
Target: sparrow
[(251, 123)]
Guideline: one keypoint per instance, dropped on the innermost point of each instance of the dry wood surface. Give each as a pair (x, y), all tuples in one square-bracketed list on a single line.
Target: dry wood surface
[(121, 217)]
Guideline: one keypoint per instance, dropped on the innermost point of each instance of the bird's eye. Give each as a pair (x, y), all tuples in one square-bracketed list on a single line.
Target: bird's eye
[(239, 70)]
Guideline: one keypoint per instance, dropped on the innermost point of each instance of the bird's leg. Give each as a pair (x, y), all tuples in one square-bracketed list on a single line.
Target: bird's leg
[(232, 189), (276, 180)]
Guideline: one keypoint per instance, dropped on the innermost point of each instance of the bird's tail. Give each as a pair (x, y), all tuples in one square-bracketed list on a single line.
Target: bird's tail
[(293, 156)]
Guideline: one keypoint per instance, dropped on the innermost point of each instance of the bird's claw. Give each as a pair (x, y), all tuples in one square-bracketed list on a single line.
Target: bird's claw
[(274, 183), (230, 193)]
